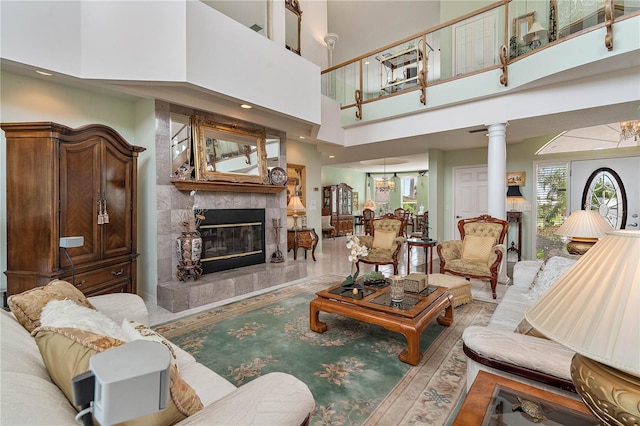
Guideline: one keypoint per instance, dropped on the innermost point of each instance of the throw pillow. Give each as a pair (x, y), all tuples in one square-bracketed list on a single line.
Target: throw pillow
[(383, 240), (547, 276), (28, 305), (68, 314), (134, 330), (475, 247), (66, 353), (525, 328)]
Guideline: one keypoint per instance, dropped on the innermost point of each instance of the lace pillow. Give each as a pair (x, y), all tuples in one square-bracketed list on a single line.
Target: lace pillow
[(550, 272)]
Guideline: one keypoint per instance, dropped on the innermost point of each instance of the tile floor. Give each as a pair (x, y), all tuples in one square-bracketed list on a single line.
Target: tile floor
[(333, 260)]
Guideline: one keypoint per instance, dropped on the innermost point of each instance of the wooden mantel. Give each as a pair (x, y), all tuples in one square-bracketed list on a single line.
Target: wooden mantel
[(214, 186)]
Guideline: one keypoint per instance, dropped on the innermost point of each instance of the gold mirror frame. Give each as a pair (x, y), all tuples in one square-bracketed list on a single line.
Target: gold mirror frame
[(293, 6), (210, 171)]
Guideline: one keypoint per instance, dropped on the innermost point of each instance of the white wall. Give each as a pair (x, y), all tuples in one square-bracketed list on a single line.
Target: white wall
[(34, 99), (164, 43)]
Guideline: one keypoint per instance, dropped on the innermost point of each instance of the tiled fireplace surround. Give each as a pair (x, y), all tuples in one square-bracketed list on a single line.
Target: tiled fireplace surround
[(175, 295)]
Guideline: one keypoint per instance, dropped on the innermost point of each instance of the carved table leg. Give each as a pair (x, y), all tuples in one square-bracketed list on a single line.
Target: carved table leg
[(447, 318), (412, 354), (314, 317)]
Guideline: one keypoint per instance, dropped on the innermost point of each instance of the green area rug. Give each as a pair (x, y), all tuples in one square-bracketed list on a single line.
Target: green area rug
[(352, 370)]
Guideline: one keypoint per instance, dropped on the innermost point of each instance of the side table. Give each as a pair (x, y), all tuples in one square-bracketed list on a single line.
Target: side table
[(497, 400), (428, 247), (516, 217), (305, 238)]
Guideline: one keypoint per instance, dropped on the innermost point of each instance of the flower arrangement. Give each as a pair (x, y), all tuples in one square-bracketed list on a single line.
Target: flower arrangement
[(192, 219), (355, 251)]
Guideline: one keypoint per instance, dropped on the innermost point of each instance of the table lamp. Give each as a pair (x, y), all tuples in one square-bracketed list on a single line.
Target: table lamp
[(296, 205), (584, 227), (514, 194), (593, 310)]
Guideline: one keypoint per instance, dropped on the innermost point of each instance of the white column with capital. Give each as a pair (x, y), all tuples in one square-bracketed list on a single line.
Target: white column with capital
[(496, 181)]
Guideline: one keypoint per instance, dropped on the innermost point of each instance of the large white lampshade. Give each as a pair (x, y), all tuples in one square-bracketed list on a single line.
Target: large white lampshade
[(594, 309), (584, 227)]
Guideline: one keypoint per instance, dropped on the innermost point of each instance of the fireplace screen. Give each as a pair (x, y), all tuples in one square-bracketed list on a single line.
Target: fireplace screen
[(229, 240)]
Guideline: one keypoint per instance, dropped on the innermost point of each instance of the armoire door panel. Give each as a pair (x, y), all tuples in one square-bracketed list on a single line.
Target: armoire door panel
[(116, 184), (79, 187)]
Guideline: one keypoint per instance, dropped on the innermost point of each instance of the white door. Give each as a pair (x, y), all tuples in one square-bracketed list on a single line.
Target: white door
[(475, 46), (470, 194), (627, 169)]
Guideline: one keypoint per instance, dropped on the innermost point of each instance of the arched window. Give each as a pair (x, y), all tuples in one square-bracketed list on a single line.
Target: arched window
[(605, 193)]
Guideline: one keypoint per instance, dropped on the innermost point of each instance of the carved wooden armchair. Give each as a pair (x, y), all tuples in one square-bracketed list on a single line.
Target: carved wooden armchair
[(479, 254), (384, 245)]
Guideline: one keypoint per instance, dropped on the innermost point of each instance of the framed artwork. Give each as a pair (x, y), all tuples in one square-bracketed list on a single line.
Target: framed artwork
[(296, 183), (521, 26), (355, 202), (515, 178)]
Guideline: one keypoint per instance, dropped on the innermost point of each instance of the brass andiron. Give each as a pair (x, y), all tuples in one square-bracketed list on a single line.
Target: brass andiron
[(277, 256)]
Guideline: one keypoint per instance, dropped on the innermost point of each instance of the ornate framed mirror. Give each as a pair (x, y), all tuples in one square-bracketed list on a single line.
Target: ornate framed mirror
[(229, 153), (292, 19), (181, 161)]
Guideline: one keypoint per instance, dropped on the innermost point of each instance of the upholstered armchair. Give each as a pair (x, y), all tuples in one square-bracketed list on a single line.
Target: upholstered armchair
[(479, 253), (384, 245), (328, 229)]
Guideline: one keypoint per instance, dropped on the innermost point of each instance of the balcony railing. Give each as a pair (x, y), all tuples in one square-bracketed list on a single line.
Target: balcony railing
[(490, 38)]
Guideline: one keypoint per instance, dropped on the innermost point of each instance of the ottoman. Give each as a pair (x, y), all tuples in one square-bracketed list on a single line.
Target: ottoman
[(459, 287)]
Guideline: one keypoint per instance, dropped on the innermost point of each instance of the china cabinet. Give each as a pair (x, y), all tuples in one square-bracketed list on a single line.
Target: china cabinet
[(64, 182), (337, 202)]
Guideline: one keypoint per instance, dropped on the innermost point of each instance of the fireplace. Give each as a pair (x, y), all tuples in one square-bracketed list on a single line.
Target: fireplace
[(232, 238)]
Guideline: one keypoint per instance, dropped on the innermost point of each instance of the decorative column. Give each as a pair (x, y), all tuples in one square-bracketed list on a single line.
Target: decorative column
[(497, 181), (497, 170)]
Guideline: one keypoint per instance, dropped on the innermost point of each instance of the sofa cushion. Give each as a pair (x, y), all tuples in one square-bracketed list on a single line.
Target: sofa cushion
[(553, 269), (69, 314), (28, 305), (475, 247), (66, 353), (383, 239)]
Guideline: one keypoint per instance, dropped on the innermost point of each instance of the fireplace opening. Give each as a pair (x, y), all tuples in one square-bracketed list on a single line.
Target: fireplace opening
[(232, 238)]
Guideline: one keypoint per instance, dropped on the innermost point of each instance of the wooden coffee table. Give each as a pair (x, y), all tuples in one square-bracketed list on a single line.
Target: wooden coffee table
[(374, 306)]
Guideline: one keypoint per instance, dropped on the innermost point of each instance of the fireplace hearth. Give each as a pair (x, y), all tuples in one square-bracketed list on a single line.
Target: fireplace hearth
[(232, 238)]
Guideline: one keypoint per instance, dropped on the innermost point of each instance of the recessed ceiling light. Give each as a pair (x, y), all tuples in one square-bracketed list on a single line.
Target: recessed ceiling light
[(44, 73), (301, 137), (332, 156), (245, 106)]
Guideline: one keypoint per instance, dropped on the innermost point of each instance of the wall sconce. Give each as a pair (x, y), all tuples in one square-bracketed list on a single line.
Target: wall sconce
[(69, 242)]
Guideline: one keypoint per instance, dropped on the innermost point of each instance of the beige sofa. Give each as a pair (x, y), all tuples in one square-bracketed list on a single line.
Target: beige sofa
[(30, 397), (509, 347)]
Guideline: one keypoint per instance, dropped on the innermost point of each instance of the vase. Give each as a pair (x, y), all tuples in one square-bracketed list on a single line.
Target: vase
[(189, 247)]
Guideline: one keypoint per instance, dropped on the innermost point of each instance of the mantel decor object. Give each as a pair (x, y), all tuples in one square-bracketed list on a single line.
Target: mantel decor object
[(277, 256), (189, 243)]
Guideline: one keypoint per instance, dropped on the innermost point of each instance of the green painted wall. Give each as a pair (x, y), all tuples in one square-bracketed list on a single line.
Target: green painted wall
[(355, 179)]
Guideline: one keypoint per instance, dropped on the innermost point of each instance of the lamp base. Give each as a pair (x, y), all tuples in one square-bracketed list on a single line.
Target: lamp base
[(612, 395), (295, 221), (580, 246)]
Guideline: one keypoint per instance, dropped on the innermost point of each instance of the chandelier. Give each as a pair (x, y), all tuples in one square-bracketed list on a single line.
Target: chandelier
[(629, 129), (385, 184)]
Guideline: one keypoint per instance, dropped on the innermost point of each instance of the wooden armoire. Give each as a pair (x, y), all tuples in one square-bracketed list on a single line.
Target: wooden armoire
[(64, 182), (337, 202)]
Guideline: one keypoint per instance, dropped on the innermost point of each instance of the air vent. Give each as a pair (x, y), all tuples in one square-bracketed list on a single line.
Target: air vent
[(255, 27)]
